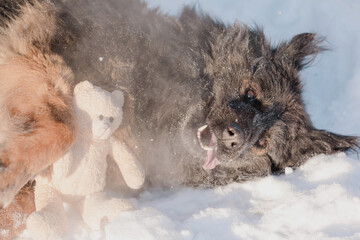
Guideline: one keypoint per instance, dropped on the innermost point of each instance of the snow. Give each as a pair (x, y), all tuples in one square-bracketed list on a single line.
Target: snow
[(306, 204), (289, 170), (321, 199)]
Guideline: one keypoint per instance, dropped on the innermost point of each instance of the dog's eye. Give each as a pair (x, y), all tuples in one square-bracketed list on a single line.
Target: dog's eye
[(111, 119), (101, 117), (262, 143), (250, 95)]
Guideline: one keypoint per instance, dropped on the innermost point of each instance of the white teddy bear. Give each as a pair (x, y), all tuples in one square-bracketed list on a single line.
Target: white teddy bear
[(81, 173)]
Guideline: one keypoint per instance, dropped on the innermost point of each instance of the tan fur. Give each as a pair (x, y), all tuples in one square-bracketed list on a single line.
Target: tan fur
[(13, 218), (36, 115)]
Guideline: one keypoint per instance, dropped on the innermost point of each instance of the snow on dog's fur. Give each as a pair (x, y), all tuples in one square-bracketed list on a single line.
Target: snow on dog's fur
[(37, 122), (13, 218)]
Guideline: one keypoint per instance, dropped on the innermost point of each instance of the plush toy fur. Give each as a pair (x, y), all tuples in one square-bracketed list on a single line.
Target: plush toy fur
[(36, 115), (81, 174)]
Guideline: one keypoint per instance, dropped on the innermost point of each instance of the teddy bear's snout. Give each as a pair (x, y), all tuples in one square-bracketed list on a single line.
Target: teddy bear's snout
[(107, 124)]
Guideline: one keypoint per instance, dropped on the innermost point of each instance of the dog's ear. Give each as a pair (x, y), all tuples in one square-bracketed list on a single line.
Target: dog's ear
[(316, 141), (328, 142), (301, 50)]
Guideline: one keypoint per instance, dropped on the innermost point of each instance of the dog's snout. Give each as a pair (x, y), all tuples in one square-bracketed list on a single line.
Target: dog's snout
[(236, 127), (234, 104), (233, 136)]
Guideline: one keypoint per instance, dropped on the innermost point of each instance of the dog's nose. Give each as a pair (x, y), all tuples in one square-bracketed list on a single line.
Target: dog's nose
[(233, 136)]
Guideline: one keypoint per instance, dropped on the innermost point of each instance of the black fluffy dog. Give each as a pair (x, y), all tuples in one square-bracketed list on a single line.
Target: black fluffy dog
[(210, 103)]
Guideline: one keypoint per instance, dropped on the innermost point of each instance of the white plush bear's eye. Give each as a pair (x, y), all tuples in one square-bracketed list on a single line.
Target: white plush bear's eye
[(111, 119), (101, 117)]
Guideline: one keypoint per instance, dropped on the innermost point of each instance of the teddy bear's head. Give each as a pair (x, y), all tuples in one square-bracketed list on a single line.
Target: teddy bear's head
[(97, 110)]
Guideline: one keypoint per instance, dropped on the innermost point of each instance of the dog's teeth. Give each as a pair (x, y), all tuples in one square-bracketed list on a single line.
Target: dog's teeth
[(201, 145), (202, 128), (205, 147), (208, 148)]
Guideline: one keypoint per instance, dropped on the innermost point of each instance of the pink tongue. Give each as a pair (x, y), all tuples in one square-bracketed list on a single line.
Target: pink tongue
[(211, 161)]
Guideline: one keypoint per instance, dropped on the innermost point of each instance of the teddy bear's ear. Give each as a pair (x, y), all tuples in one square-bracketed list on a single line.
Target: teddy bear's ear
[(83, 86), (119, 96)]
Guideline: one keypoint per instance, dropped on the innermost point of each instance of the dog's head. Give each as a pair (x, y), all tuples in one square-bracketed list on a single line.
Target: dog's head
[(257, 109)]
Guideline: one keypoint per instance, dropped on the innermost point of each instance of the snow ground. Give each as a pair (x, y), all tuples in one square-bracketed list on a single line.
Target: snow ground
[(321, 200)]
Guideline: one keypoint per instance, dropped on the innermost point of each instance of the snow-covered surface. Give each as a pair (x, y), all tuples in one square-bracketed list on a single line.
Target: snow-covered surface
[(321, 200)]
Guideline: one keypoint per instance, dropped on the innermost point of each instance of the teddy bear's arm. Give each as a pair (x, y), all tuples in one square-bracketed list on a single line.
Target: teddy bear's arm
[(63, 167), (130, 168)]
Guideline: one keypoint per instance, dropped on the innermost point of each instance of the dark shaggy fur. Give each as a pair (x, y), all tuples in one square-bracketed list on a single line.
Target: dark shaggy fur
[(193, 70)]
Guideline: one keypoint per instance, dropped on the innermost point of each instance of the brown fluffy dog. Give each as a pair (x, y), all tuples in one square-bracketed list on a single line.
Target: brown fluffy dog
[(37, 121)]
